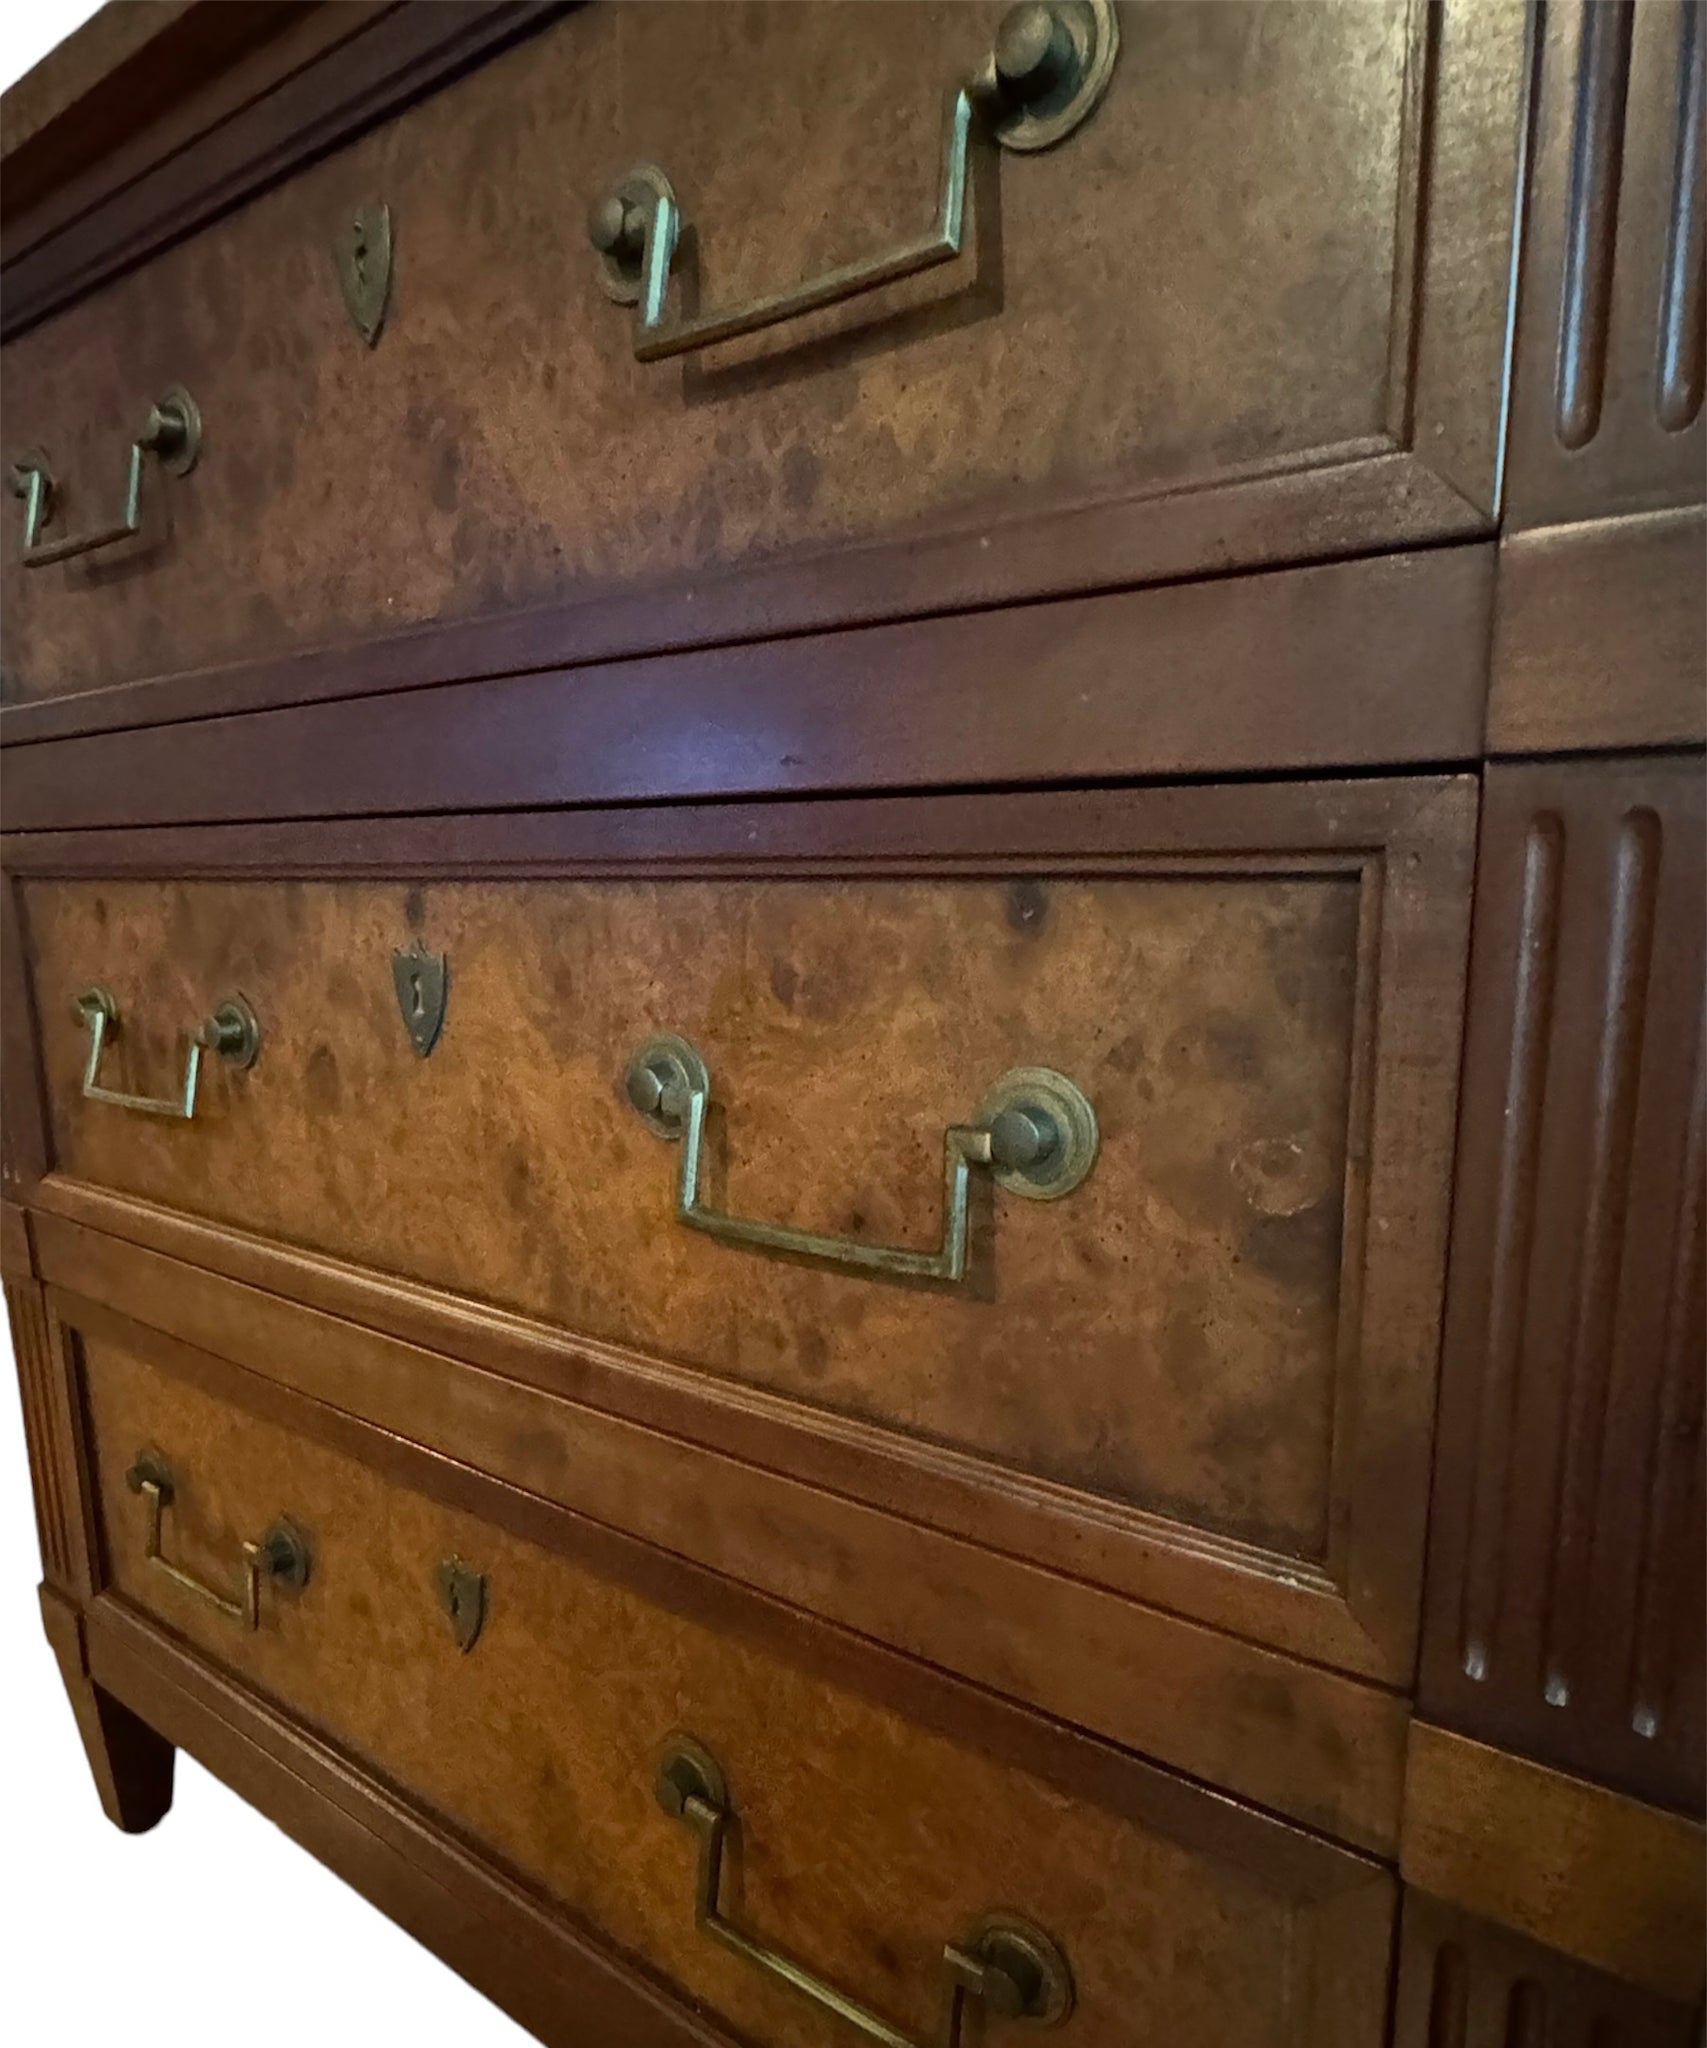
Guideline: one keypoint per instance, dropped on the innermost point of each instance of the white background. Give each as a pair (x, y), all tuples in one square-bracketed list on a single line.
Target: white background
[(214, 1930)]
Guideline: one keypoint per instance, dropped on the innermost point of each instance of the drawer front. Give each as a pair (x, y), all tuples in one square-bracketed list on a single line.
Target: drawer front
[(1235, 364), (1211, 1357), (865, 1841)]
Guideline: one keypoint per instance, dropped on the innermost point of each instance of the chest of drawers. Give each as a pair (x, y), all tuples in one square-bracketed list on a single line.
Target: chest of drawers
[(852, 959)]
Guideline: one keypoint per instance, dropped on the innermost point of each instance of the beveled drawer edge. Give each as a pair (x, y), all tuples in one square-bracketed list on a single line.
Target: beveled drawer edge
[(1608, 1879), (750, 1424), (463, 1904), (806, 1572), (1425, 609)]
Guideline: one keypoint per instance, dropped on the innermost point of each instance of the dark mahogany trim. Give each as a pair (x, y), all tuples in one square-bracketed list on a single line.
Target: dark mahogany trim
[(1333, 824), (1347, 665), (1259, 1596), (1332, 507), (395, 56)]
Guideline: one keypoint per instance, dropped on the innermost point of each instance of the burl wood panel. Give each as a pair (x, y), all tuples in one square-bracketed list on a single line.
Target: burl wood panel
[(1611, 340), (501, 446), (865, 1842), (1564, 1610), (1166, 1336), (1464, 1983)]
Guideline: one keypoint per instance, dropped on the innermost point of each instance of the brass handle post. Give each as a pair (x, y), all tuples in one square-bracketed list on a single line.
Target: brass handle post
[(1036, 1135), (171, 434), (1013, 1970), (1048, 69), (230, 1030), (280, 1557)]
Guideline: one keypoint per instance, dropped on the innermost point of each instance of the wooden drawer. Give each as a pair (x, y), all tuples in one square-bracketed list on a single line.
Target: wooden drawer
[(866, 1838), (1202, 1378), (1268, 364)]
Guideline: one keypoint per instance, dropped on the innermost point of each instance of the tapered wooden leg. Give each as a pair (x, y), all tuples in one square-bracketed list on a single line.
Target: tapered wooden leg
[(132, 1765)]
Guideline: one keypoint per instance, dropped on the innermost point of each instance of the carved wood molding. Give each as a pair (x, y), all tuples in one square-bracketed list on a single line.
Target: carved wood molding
[(44, 1393), (1612, 320), (1464, 1983), (1564, 1609)]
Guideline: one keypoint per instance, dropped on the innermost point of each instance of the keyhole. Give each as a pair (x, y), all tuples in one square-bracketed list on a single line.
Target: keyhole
[(418, 1007), (359, 250)]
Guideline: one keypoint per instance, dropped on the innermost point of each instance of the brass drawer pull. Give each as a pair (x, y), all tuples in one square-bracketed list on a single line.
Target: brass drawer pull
[(1006, 1965), (231, 1031), (281, 1555), (1036, 1134), (1048, 69), (172, 433)]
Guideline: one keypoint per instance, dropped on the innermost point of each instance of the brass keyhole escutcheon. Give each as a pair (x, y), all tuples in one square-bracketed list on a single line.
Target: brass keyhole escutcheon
[(462, 1595), (422, 982), (362, 249)]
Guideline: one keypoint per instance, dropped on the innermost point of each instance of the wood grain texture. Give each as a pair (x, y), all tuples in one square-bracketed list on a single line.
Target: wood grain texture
[(489, 1925), (1600, 636), (1355, 663), (1309, 1743), (221, 103), (1606, 402), (1466, 1984), (1228, 1585), (873, 1014), (921, 1693), (131, 1763), (507, 406), (1603, 1878), (582, 1684), (1565, 1603), (1274, 1123)]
